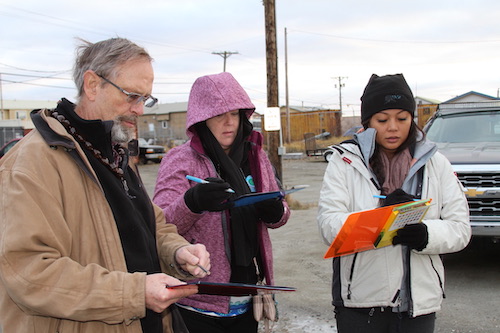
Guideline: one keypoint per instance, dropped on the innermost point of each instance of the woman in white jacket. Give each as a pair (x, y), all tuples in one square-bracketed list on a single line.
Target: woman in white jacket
[(395, 288)]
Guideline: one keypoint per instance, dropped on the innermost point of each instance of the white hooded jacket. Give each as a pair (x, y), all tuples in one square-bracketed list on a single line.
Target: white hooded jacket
[(374, 278)]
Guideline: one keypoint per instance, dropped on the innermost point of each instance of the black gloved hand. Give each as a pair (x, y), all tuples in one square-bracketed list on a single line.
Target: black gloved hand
[(270, 210), (414, 235), (211, 196), (396, 197)]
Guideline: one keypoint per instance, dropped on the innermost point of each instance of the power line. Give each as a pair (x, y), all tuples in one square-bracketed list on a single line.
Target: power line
[(79, 26), (399, 41), (35, 70), (35, 84), (36, 76)]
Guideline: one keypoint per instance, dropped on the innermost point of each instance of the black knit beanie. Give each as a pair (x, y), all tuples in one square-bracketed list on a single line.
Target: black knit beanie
[(386, 92)]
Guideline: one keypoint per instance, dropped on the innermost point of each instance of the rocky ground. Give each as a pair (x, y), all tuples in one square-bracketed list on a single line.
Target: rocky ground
[(473, 276)]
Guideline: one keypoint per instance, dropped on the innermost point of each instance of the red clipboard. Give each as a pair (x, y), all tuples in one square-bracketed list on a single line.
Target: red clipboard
[(370, 229), (232, 289)]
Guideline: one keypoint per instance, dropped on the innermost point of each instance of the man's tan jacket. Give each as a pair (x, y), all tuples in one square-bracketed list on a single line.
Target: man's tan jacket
[(62, 267)]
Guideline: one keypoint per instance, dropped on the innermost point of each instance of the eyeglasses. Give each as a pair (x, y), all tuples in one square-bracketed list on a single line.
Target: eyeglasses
[(134, 98)]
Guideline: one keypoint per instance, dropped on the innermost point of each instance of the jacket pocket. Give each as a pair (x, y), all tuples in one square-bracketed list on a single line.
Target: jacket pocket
[(439, 277)]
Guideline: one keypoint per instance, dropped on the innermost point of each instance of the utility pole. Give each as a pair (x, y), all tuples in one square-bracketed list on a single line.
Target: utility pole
[(340, 86), (1, 97), (288, 134), (225, 55), (338, 116), (272, 81)]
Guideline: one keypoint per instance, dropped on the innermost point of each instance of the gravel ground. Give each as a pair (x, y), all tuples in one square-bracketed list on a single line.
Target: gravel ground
[(298, 256), (298, 261), (473, 275)]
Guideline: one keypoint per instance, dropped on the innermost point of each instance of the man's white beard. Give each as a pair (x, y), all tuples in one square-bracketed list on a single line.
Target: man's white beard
[(121, 133)]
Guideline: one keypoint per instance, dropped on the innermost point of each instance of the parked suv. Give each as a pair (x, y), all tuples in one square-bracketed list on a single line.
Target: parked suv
[(149, 152), (468, 134)]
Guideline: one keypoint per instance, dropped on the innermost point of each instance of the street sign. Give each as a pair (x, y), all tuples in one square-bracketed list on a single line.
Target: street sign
[(272, 119)]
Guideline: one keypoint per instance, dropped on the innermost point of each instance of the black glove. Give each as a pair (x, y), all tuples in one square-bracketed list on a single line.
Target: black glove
[(396, 197), (211, 196), (270, 210), (414, 235)]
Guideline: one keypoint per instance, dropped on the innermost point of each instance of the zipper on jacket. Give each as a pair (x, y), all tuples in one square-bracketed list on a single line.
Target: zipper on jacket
[(410, 297), (420, 182), (351, 275), (407, 253)]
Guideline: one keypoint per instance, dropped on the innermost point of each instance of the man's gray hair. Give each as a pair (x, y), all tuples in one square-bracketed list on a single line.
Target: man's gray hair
[(104, 58)]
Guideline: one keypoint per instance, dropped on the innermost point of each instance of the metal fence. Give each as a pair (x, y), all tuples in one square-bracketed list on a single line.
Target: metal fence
[(9, 133)]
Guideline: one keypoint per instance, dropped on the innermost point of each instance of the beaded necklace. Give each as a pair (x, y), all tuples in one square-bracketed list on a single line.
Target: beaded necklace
[(118, 151)]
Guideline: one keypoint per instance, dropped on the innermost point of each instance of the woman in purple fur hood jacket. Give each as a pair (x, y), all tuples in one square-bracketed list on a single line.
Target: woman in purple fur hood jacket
[(223, 149)]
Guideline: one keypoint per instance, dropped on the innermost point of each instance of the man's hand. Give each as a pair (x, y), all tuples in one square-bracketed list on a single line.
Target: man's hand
[(194, 259), (159, 297)]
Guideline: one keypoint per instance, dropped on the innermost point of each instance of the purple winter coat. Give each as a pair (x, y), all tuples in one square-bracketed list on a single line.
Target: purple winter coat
[(210, 96)]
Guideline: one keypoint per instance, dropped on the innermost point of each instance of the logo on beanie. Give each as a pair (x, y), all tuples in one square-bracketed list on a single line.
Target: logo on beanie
[(392, 99)]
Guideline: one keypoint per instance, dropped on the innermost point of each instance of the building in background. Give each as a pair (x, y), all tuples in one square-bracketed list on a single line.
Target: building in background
[(426, 107), (15, 120), (164, 124), (471, 97), (314, 120)]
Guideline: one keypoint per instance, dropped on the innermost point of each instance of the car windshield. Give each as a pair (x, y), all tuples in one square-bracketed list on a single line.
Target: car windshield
[(473, 127)]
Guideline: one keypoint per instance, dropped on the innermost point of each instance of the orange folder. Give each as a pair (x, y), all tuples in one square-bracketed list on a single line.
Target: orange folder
[(375, 228)]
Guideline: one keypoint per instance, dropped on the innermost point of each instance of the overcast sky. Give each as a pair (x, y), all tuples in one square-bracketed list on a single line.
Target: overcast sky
[(444, 48)]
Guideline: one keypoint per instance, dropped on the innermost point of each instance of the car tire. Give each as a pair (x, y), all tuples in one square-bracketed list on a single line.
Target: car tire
[(326, 155)]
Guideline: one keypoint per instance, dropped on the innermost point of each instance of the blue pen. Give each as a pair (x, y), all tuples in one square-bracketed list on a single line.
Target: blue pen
[(383, 197), (203, 181)]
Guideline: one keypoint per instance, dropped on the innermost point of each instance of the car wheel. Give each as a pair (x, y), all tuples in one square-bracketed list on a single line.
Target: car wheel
[(326, 155)]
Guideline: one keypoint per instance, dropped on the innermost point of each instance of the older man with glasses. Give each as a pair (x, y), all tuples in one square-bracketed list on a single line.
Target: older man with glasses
[(82, 248)]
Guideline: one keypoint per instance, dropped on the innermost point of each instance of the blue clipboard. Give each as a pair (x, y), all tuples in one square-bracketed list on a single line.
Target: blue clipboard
[(250, 199)]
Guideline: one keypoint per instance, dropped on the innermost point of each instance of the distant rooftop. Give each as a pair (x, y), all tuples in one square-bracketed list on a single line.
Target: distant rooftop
[(307, 108), (166, 108), (27, 104), (471, 96), (425, 99)]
